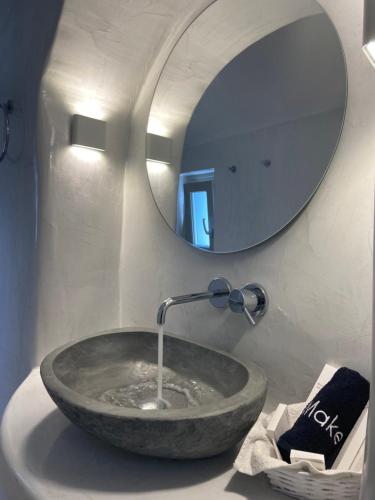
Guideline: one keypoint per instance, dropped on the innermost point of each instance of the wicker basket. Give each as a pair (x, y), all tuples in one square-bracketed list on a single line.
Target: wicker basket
[(305, 486), (301, 480)]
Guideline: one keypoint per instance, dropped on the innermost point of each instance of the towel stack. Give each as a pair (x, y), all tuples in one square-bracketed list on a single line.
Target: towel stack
[(328, 418)]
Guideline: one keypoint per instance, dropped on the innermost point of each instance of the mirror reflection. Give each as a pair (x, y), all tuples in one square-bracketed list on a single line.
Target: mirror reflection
[(245, 119)]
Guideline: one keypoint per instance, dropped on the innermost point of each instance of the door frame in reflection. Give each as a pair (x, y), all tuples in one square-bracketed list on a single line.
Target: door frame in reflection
[(195, 214)]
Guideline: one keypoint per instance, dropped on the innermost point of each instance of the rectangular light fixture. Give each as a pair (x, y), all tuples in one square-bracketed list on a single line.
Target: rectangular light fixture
[(369, 30), (158, 149), (88, 132)]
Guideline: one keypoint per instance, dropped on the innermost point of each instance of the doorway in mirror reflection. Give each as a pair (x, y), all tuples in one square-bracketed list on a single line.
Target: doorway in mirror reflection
[(195, 208)]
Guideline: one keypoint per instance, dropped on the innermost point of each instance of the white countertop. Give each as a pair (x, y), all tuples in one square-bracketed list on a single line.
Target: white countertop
[(45, 457)]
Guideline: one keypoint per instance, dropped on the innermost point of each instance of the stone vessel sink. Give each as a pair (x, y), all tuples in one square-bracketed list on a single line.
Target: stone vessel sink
[(100, 381)]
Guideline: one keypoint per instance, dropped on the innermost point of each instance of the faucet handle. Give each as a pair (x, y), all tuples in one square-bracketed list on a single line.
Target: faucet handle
[(251, 300)]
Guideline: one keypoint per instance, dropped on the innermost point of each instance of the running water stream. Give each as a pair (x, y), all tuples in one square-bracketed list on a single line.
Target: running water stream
[(160, 400)]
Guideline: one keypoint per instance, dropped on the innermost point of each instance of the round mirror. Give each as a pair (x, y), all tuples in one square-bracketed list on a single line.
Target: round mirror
[(245, 119)]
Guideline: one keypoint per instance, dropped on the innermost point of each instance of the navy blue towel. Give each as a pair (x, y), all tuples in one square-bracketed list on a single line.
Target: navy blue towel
[(327, 420)]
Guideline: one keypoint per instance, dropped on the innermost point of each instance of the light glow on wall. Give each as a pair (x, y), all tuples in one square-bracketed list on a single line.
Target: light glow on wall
[(156, 166), (369, 50), (87, 154), (91, 108), (155, 126)]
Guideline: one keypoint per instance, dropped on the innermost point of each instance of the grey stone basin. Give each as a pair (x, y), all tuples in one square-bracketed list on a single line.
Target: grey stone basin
[(99, 382)]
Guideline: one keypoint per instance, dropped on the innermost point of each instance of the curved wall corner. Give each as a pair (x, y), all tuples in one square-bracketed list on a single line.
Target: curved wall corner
[(97, 67), (24, 47), (80, 215)]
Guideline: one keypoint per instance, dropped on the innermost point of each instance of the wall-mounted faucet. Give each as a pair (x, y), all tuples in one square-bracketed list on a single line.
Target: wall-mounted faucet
[(251, 300)]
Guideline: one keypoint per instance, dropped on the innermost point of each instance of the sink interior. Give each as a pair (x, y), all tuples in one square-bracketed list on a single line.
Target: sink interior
[(121, 370)]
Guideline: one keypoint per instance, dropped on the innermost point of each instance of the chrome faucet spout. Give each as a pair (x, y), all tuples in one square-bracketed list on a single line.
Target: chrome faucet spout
[(181, 299), (218, 293)]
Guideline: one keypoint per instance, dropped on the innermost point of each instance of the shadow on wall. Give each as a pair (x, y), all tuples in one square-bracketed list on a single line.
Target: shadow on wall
[(24, 47)]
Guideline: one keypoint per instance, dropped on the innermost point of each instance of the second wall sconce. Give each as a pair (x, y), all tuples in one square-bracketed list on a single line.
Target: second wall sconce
[(159, 149), (88, 133)]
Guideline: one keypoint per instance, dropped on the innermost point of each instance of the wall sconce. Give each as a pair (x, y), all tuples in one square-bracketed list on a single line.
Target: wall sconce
[(369, 30), (88, 133), (158, 149)]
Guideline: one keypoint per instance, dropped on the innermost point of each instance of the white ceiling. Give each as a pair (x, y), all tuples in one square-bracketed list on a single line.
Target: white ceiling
[(104, 49)]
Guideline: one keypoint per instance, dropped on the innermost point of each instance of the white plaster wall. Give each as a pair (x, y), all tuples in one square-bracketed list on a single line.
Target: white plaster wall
[(79, 227), (101, 55), (20, 76), (317, 273)]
